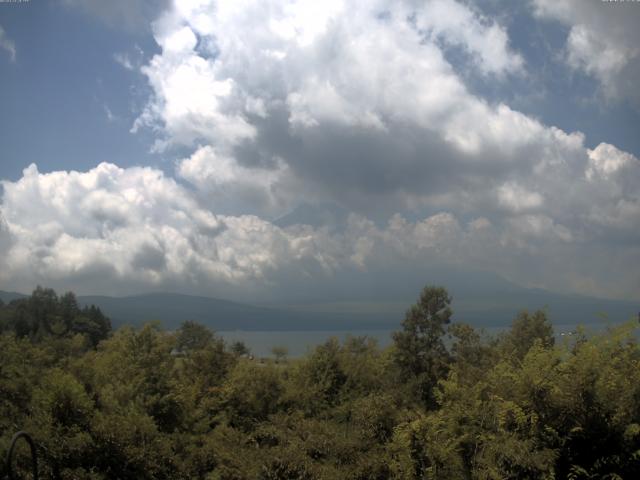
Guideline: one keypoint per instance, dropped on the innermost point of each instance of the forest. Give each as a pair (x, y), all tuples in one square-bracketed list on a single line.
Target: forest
[(444, 401)]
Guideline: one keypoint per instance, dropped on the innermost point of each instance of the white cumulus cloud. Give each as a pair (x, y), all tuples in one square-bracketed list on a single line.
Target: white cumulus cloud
[(273, 104), (603, 41), (116, 230)]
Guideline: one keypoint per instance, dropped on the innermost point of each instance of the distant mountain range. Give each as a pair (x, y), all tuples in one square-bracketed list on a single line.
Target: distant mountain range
[(7, 297), (172, 309), (480, 309)]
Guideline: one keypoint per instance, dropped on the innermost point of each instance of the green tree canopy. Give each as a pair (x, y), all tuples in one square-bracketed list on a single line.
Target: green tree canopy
[(193, 336), (525, 330), (419, 348)]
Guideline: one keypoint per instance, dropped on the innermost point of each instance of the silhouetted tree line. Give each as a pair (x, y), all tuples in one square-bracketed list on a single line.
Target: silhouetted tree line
[(45, 314), (444, 401)]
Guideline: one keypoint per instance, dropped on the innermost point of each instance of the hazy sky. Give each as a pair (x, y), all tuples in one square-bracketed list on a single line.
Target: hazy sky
[(282, 149)]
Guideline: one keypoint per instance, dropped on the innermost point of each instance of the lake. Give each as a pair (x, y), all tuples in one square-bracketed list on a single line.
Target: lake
[(300, 342)]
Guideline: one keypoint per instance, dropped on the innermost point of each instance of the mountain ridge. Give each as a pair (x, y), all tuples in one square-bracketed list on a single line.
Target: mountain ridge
[(171, 309)]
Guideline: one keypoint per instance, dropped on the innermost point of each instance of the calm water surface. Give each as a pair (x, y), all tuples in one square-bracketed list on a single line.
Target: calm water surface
[(299, 343)]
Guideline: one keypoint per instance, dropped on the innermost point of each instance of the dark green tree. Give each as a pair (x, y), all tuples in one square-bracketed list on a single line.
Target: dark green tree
[(525, 330), (238, 348), (193, 336), (323, 374), (44, 314), (4, 317), (419, 348), (44, 307), (93, 323)]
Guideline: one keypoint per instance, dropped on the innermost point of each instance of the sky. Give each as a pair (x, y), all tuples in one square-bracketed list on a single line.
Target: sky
[(285, 150)]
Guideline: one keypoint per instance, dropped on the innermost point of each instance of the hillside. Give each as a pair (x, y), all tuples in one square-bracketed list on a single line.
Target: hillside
[(495, 307)]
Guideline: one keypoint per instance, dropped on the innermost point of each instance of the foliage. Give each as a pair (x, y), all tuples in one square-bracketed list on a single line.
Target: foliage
[(280, 352), (239, 349), (44, 314), (419, 348), (150, 404), (192, 336)]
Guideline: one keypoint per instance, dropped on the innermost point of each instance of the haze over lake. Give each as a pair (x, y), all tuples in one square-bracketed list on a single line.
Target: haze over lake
[(299, 343)]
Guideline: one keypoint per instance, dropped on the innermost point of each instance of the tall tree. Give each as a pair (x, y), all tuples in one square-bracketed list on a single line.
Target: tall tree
[(525, 330), (419, 348)]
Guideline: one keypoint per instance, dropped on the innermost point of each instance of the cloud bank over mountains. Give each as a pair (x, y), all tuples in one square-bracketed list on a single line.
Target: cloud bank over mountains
[(363, 106)]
